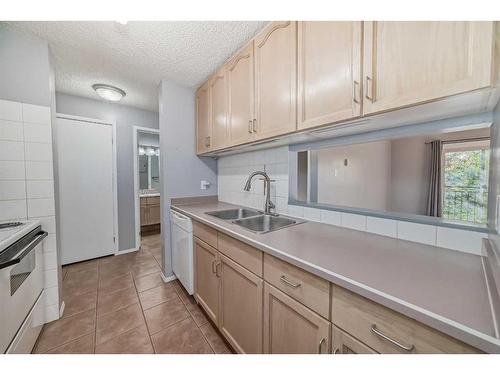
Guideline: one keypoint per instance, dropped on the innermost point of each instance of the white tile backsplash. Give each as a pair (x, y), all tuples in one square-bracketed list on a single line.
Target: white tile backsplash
[(312, 214), (11, 131), (36, 114), (296, 211), (39, 189), (10, 150), (461, 240), (12, 189), (41, 207), (12, 209), (330, 217), (11, 110), (12, 170), (37, 133), (38, 151), (353, 221), (384, 227), (415, 232), (39, 170)]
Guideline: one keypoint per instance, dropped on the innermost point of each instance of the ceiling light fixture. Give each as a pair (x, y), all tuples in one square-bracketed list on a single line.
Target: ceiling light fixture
[(109, 92)]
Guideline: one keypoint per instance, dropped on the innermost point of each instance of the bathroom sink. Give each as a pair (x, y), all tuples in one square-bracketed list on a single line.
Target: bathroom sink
[(233, 214), (266, 223)]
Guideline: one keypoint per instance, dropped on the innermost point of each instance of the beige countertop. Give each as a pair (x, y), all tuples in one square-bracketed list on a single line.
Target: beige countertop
[(442, 288)]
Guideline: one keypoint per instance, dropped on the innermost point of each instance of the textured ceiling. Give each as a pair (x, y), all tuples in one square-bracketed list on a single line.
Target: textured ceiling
[(136, 56)]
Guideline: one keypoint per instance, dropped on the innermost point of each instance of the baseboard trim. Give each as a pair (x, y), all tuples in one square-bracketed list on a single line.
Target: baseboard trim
[(61, 309), (167, 279), (121, 252)]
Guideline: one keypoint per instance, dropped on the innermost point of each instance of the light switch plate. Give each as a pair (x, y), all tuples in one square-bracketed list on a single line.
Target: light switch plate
[(204, 185)]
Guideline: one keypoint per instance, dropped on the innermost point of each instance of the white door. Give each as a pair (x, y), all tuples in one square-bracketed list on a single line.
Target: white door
[(86, 194)]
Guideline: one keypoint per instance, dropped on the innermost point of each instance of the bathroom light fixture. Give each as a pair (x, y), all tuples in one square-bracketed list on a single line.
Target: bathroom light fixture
[(109, 92)]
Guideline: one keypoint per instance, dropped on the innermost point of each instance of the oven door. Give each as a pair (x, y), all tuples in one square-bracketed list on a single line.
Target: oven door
[(21, 283)]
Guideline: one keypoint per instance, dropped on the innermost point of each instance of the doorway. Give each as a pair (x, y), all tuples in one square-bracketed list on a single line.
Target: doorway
[(146, 144)]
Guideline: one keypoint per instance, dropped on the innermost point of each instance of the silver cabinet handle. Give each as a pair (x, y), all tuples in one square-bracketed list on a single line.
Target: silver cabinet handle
[(288, 282), (336, 351), (354, 91), (369, 89), (320, 345), (254, 125), (214, 267), (250, 126), (391, 340), (217, 269)]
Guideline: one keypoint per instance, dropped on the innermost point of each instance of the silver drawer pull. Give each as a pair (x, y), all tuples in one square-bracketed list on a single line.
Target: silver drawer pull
[(288, 282), (391, 340), (336, 351), (320, 345)]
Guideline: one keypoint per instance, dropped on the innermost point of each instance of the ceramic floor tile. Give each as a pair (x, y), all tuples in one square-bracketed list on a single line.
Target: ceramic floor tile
[(142, 270), (83, 287), (198, 315), (149, 281), (65, 330), (113, 324), (214, 339), (76, 278), (135, 341), (117, 300), (107, 286), (183, 337), (83, 266), (155, 296), (165, 314), (83, 345), (79, 303), (113, 273)]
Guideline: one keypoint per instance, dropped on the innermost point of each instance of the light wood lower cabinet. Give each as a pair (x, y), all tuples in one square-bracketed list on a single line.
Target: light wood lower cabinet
[(290, 327), (240, 319), (150, 211), (343, 343), (206, 282)]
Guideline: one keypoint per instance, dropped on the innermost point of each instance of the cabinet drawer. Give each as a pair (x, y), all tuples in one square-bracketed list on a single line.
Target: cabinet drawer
[(305, 287), (144, 202), (205, 233), (153, 200), (343, 343), (387, 331), (247, 256)]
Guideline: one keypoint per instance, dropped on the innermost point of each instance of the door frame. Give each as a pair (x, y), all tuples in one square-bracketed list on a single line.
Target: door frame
[(114, 167), (137, 208)]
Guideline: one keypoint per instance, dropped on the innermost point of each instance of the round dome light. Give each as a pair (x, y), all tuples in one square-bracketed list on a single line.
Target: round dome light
[(108, 92)]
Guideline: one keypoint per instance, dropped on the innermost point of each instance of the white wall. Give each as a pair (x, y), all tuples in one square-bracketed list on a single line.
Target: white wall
[(126, 118), (234, 170), (180, 169)]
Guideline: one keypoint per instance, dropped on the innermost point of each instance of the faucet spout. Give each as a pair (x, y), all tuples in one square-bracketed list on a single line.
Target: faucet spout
[(248, 185)]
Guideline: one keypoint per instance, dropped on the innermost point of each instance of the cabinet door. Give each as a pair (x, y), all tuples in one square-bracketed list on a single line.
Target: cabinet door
[(218, 109), (154, 214), (407, 63), (329, 72), (275, 79), (144, 215), (203, 126), (206, 282), (240, 79), (290, 327), (343, 343), (240, 318)]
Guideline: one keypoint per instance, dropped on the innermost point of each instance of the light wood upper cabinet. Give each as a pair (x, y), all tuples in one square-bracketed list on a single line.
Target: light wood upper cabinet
[(329, 72), (407, 63), (290, 327), (218, 109), (206, 290), (203, 125), (240, 318), (240, 79), (275, 79)]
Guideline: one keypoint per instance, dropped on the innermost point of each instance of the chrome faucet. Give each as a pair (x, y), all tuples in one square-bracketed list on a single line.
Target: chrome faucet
[(268, 206)]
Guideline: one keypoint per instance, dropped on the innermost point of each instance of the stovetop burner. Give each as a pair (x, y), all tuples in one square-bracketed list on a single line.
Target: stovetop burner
[(10, 225)]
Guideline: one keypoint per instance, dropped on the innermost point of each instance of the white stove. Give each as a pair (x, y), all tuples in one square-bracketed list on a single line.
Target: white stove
[(12, 231)]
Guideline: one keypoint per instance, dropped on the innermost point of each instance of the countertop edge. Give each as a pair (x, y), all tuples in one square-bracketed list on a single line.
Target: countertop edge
[(447, 326)]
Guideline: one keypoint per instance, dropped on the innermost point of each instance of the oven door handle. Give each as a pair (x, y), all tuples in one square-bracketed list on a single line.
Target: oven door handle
[(25, 251)]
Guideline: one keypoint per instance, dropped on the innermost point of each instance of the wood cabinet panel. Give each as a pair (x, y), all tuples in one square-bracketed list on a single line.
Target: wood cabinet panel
[(240, 79), (343, 343), (218, 109), (311, 290), (329, 72), (360, 317), (203, 125), (144, 215), (205, 233), (290, 327), (241, 307), (407, 63), (154, 216), (275, 79), (206, 288), (248, 256), (153, 200)]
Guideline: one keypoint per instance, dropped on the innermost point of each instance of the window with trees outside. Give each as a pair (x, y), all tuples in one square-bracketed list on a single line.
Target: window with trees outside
[(465, 180)]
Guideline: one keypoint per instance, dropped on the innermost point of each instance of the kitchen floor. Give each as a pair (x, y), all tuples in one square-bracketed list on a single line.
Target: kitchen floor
[(120, 304)]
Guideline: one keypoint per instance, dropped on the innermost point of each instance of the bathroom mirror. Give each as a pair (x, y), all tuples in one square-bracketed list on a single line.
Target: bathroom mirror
[(441, 173), (149, 167)]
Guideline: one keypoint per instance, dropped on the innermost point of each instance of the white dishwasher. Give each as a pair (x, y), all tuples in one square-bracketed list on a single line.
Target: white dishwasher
[(181, 230)]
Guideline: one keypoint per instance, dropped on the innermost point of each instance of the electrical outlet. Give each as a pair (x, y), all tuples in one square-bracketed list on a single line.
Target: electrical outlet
[(204, 185)]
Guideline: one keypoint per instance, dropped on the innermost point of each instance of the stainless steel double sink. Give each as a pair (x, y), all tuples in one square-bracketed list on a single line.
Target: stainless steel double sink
[(254, 220)]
